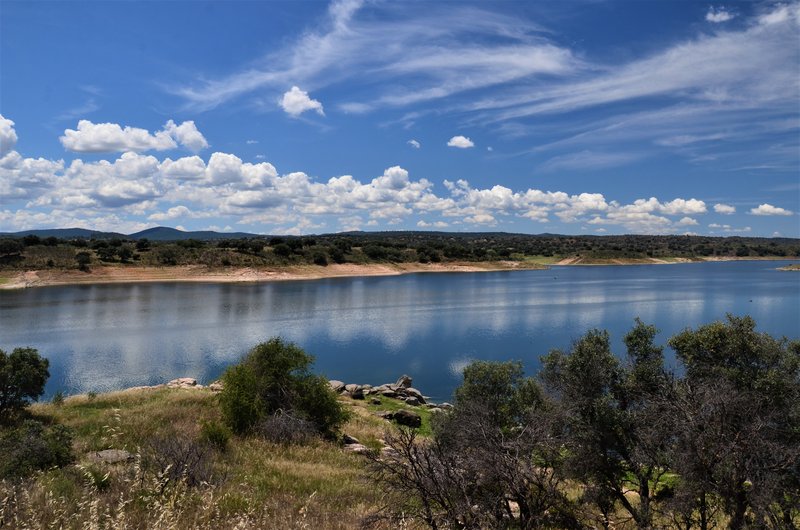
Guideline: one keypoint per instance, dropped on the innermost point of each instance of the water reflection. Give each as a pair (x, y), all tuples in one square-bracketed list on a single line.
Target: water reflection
[(372, 329)]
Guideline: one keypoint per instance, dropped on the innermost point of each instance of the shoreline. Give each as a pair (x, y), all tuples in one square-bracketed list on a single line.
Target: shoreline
[(201, 274)]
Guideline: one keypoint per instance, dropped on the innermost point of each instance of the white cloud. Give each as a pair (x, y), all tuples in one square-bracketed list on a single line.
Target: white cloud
[(110, 137), (719, 14), (462, 142), (436, 224), (251, 142), (414, 143), (296, 101), (8, 136), (176, 212), (768, 209), (687, 221), (724, 209), (187, 135)]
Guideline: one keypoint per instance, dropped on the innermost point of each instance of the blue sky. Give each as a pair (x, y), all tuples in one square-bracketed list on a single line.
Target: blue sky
[(578, 117)]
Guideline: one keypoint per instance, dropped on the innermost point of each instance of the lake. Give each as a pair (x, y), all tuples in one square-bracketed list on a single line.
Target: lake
[(373, 329)]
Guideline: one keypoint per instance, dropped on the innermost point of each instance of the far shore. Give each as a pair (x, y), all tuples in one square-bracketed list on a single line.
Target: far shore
[(202, 274)]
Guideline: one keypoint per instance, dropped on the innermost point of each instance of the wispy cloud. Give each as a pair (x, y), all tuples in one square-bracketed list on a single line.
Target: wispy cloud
[(435, 47)]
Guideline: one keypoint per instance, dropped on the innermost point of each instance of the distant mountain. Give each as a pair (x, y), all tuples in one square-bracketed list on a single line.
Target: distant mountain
[(163, 233), (159, 233), (66, 233)]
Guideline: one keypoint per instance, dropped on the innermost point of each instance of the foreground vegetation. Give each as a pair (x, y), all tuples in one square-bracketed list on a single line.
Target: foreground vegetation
[(34, 253), (594, 441)]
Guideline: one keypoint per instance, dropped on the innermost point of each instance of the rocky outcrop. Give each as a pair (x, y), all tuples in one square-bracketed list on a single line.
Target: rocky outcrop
[(401, 390), (109, 456)]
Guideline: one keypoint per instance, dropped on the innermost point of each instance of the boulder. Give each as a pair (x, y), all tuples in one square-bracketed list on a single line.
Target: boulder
[(182, 382), (352, 388), (389, 393), (109, 456), (336, 386), (414, 402), (349, 440), (389, 453), (404, 381), (374, 401), (356, 448), (446, 406), (413, 392), (385, 414), (407, 418), (216, 386)]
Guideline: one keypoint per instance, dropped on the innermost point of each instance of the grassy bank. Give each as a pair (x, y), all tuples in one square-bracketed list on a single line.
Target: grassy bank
[(253, 482)]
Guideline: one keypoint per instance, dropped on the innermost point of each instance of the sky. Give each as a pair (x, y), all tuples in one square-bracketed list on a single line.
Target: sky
[(578, 117)]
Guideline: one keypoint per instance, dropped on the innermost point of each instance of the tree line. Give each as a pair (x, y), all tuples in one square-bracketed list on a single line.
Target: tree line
[(33, 251)]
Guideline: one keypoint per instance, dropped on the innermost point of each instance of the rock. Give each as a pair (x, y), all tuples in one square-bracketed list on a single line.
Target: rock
[(356, 448), (216, 386), (435, 410), (109, 456), (389, 394), (349, 440), (336, 386), (413, 392), (388, 452), (385, 414), (374, 401), (352, 388), (414, 402), (407, 418), (404, 381), (182, 382), (380, 388), (445, 406)]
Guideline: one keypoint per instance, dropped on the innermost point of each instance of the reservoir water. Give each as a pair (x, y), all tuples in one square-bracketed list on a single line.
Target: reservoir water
[(373, 329)]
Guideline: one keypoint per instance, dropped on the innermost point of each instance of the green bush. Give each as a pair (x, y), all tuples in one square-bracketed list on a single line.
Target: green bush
[(23, 375), (274, 376), (32, 446), (215, 434)]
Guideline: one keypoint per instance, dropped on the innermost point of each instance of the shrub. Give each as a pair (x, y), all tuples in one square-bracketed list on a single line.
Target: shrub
[(215, 434), (22, 378), (32, 446), (274, 376), (177, 457)]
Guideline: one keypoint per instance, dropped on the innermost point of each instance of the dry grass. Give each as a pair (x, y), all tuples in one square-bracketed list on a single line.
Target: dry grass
[(255, 484)]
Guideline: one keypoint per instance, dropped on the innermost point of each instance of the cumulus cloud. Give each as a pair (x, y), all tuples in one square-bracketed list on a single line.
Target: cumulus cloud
[(8, 136), (111, 137), (187, 135), (718, 14), (296, 101), (724, 209), (414, 143), (768, 209), (462, 142), (436, 224)]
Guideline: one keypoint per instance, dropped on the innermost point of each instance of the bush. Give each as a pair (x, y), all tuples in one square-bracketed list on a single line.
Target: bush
[(32, 446), (274, 376), (22, 378), (215, 434)]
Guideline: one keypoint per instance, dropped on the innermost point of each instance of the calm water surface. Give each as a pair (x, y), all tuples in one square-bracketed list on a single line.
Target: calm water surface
[(371, 330)]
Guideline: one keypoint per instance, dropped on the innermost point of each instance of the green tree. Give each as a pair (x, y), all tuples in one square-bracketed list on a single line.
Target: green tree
[(738, 424), (618, 436), (83, 259), (23, 375), (275, 376)]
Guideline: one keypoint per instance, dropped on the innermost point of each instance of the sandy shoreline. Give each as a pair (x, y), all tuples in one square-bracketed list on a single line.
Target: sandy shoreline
[(201, 274)]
